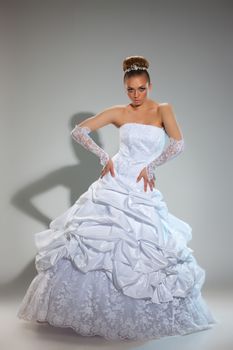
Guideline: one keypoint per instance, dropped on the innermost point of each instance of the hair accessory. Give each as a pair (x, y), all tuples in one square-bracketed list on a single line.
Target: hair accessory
[(135, 67)]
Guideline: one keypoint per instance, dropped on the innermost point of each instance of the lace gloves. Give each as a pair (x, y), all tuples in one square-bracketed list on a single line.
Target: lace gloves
[(174, 148), (80, 135)]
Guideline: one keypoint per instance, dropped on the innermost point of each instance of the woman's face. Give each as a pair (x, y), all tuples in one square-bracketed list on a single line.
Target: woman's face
[(137, 89)]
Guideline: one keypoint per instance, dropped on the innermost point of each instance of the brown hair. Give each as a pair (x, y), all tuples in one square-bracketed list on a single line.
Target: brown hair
[(139, 61)]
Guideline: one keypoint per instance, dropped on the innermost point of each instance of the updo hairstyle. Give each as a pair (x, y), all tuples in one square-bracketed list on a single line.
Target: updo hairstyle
[(135, 61)]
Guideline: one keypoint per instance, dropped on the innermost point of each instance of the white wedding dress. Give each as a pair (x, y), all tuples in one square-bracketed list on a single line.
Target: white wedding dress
[(116, 263)]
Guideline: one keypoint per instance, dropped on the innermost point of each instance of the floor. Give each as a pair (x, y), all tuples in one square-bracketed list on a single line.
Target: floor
[(20, 334)]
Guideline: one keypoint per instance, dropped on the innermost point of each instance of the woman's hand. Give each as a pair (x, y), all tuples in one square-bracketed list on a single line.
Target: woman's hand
[(143, 174), (108, 167)]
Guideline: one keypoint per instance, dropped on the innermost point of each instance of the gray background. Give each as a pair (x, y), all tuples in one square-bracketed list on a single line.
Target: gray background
[(61, 62)]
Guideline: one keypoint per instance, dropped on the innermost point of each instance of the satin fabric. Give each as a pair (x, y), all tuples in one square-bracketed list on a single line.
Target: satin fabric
[(117, 227)]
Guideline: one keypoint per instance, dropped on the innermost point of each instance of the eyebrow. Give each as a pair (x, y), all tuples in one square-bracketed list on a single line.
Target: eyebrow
[(139, 86)]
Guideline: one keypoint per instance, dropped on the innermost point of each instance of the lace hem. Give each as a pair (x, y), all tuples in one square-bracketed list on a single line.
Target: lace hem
[(91, 305)]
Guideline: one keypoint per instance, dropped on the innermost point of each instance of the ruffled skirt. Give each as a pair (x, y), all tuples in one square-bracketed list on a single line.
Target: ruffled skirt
[(116, 264)]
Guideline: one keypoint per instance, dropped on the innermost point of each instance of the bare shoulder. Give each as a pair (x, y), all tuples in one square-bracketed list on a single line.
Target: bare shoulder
[(165, 105), (166, 111), (116, 109), (107, 116), (116, 112), (169, 120)]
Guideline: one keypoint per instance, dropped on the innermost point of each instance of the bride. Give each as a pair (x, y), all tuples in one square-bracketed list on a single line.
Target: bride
[(117, 262)]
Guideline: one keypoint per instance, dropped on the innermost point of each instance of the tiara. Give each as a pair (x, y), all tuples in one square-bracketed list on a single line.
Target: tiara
[(135, 67)]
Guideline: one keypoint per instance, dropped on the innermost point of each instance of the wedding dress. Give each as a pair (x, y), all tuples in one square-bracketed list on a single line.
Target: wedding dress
[(117, 262)]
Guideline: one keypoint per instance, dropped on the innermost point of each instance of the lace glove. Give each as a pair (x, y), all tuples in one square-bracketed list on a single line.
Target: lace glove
[(80, 135), (174, 148)]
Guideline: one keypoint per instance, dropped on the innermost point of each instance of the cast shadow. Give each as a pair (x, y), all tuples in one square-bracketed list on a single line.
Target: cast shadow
[(76, 178)]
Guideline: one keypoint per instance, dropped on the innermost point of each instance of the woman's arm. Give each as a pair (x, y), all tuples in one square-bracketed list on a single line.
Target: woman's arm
[(176, 140), (81, 131)]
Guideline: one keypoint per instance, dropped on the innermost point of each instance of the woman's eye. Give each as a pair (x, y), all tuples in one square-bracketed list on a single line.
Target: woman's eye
[(141, 89)]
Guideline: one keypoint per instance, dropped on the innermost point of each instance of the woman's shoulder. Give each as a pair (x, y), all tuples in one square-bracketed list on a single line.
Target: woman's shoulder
[(152, 104), (116, 108), (115, 113), (165, 108), (164, 105)]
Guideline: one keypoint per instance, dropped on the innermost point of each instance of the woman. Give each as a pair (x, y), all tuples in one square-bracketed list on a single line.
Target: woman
[(116, 263)]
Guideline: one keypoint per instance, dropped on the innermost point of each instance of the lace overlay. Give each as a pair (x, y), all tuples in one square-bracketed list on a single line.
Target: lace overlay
[(91, 305), (81, 135), (174, 148)]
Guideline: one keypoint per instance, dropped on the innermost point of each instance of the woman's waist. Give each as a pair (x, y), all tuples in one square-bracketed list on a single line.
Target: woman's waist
[(129, 166), (126, 172), (132, 159)]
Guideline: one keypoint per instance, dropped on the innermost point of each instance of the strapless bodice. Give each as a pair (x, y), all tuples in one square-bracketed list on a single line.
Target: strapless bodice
[(139, 145), (140, 141)]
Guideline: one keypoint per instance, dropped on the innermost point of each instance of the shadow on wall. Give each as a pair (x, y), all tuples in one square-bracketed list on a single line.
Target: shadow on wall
[(76, 178)]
